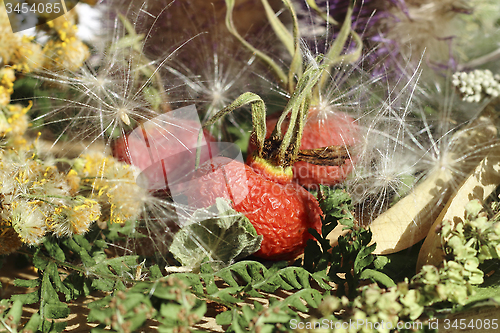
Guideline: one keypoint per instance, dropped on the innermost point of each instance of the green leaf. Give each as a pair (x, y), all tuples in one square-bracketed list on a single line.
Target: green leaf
[(47, 326), (363, 259), (490, 292), (312, 297), (27, 283), (103, 284), (210, 285), (122, 265), (33, 323), (322, 279), (99, 315), (296, 277), (224, 318), (155, 272), (81, 250), (221, 235), (51, 270), (56, 310), (29, 298), (100, 302), (39, 260), (258, 116), (380, 262), (48, 293), (16, 311), (226, 294), (377, 276), (53, 248), (83, 242)]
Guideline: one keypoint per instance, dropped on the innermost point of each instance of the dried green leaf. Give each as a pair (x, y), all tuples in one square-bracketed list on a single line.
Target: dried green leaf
[(221, 235)]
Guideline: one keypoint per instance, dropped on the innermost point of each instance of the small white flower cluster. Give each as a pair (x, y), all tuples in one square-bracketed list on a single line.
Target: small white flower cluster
[(476, 84)]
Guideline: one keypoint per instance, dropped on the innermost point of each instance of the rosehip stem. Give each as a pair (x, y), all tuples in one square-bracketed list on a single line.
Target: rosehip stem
[(258, 120), (284, 148), (280, 150)]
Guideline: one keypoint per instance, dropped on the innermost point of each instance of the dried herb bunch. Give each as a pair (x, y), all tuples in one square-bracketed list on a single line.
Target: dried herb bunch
[(369, 192)]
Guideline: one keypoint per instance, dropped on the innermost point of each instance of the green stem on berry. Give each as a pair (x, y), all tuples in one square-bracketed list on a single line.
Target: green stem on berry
[(258, 120), (282, 149), (279, 28)]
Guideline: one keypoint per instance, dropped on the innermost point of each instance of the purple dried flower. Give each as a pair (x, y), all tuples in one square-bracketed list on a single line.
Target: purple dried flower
[(395, 33)]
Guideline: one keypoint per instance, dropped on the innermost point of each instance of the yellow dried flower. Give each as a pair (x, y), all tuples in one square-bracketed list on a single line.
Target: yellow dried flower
[(36, 198), (28, 56), (125, 203), (28, 221), (17, 119), (67, 52), (73, 181), (8, 40), (76, 219), (18, 51), (64, 24), (114, 187), (7, 78), (19, 142)]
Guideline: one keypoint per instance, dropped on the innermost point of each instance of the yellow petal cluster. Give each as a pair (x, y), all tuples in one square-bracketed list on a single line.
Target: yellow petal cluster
[(65, 51), (114, 187)]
